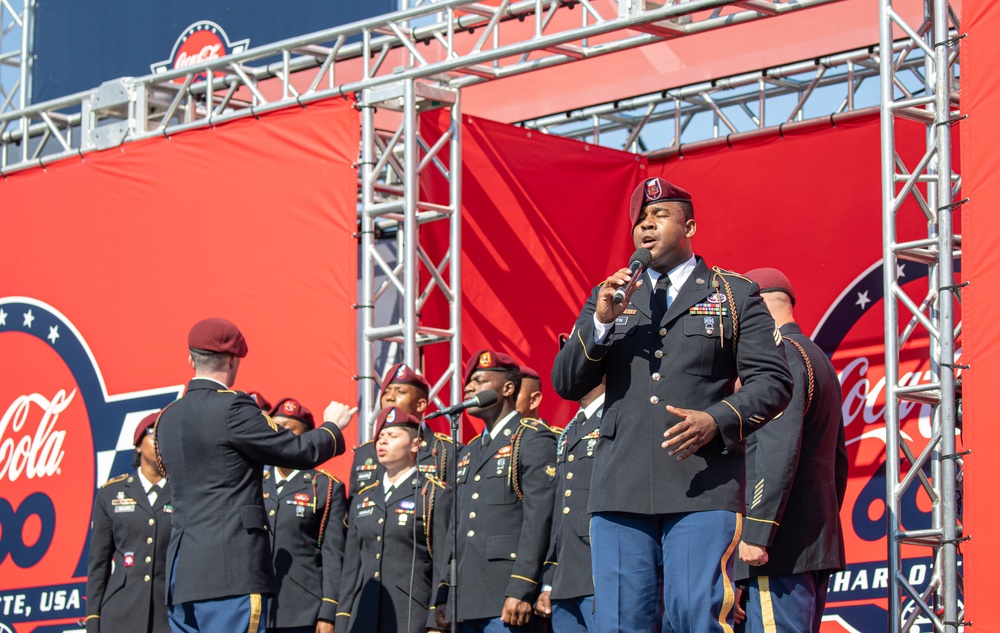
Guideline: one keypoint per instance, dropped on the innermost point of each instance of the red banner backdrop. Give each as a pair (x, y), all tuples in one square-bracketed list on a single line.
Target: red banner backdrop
[(981, 260), (546, 219), (109, 261)]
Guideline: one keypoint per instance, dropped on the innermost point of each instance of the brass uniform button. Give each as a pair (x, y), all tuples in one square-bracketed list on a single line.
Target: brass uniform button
[(471, 533), (149, 540), (146, 577), (376, 574), (653, 399), (472, 515), (378, 556), (565, 510), (656, 376), (152, 521), (149, 559), (658, 353), (271, 513), (475, 495), (381, 520), (477, 478), (569, 493), (569, 475), (570, 458), (663, 331)]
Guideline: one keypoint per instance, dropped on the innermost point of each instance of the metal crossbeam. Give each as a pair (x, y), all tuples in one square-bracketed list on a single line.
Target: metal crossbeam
[(669, 122), (464, 43), (935, 188)]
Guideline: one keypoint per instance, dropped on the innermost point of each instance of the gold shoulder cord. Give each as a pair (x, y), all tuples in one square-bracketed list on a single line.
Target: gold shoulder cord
[(514, 474), (809, 371), (326, 508), (429, 493), (156, 440), (719, 275)]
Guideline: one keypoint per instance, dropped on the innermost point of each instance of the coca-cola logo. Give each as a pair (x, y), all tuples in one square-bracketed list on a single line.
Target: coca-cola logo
[(61, 436), (201, 42)]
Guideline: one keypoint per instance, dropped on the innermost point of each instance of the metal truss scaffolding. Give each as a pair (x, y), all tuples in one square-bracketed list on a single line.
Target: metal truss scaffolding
[(391, 165), (15, 54), (937, 468)]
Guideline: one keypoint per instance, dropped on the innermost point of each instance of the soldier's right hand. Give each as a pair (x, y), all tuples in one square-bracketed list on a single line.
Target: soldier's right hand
[(607, 311), (339, 414)]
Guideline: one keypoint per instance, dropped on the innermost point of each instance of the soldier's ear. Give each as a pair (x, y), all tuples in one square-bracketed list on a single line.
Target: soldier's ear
[(421, 405), (508, 388)]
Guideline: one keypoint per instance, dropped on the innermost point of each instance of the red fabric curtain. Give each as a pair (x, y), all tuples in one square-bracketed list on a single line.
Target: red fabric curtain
[(251, 221), (981, 303)]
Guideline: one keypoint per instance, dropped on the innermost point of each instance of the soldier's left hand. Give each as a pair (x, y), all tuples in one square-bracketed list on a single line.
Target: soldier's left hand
[(339, 413), (324, 626), (695, 429), (516, 612)]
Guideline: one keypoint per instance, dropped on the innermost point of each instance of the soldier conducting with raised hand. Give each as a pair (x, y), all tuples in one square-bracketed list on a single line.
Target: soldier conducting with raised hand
[(213, 443)]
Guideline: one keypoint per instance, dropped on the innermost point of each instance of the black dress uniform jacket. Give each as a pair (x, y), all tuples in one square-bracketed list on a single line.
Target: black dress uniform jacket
[(391, 555), (133, 534), (434, 458), (567, 565), (689, 359), (797, 472), (504, 517), (214, 443), (307, 523)]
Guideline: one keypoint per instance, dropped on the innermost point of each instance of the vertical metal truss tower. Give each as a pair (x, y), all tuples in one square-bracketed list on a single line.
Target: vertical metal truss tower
[(937, 107), (15, 53), (392, 162)]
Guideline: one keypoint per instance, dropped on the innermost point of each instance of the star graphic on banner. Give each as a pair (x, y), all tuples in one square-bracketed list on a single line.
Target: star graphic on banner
[(900, 270), (3, 317), (53, 333), (28, 318), (863, 299)]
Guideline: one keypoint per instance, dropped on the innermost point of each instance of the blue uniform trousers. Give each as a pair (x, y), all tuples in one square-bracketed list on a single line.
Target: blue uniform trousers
[(575, 615), (232, 613), (495, 625), (791, 603), (685, 558)]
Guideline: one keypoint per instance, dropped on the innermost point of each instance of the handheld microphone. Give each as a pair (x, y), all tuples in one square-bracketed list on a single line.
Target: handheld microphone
[(640, 260), (482, 399)]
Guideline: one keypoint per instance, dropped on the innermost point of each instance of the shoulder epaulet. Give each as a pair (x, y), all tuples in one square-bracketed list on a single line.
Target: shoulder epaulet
[(366, 443), (368, 487), (534, 424), (225, 391), (323, 472), (474, 439), (556, 430), (115, 480), (443, 437), (729, 273)]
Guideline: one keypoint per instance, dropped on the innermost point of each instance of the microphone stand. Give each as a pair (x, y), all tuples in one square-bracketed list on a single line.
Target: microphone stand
[(453, 481)]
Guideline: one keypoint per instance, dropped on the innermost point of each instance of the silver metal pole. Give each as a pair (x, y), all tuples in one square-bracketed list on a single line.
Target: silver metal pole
[(366, 307)]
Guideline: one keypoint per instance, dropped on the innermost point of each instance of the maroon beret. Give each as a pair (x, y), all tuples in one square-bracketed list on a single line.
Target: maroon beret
[(528, 372), (654, 190), (144, 424), (292, 408), (394, 416), (771, 280), (402, 373), (217, 336), (261, 401), (491, 361)]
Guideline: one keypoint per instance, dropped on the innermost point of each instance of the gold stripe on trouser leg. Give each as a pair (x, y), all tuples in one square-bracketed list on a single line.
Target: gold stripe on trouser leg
[(730, 597), (254, 613), (766, 607)]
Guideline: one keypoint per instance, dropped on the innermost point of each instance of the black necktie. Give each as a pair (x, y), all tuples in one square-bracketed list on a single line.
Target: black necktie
[(660, 297)]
